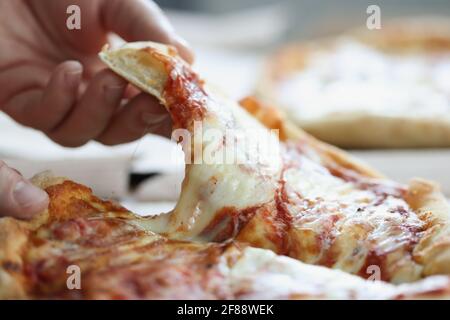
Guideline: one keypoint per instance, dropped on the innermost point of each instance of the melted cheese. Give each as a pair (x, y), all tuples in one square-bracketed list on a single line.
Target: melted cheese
[(350, 223), (260, 274), (289, 202), (355, 79), (120, 261), (212, 187), (209, 185)]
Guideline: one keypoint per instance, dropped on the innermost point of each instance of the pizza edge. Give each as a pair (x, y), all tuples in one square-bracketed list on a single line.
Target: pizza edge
[(14, 235)]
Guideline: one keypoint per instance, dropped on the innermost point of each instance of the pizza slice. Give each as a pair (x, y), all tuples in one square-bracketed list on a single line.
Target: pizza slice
[(385, 88), (118, 258), (304, 199)]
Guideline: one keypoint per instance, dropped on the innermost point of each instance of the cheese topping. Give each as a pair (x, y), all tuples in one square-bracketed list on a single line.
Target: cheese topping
[(303, 206), (349, 223), (292, 203), (120, 260), (353, 78)]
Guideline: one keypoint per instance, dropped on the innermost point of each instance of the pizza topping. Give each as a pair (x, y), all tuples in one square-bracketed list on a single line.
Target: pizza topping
[(70, 199), (297, 204), (173, 271), (227, 223), (93, 231), (183, 91), (336, 217), (341, 81)]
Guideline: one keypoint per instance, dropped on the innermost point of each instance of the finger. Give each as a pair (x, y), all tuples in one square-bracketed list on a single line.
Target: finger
[(138, 20), (91, 115), (43, 109), (131, 92), (143, 114), (21, 89), (18, 197), (58, 98)]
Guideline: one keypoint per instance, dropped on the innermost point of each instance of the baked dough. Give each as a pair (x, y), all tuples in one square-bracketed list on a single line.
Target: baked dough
[(387, 88)]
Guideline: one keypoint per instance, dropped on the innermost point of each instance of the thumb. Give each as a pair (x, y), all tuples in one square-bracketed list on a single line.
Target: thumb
[(138, 20), (18, 197)]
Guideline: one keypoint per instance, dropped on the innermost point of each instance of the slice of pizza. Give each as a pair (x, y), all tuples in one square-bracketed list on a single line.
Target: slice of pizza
[(85, 248), (385, 88), (302, 198)]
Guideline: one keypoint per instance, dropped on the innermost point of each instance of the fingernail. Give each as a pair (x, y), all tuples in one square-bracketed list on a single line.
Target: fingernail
[(114, 93), (73, 78), (26, 195)]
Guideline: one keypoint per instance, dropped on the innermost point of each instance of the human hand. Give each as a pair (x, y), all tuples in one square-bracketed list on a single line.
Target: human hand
[(53, 81), (18, 197)]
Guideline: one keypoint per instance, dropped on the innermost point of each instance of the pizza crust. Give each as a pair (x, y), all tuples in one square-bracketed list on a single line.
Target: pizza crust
[(46, 179), (433, 251), (131, 56), (14, 242), (365, 132), (13, 239)]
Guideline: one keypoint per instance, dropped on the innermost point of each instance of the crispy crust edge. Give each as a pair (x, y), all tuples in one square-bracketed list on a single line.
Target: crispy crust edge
[(13, 244), (13, 240), (433, 250)]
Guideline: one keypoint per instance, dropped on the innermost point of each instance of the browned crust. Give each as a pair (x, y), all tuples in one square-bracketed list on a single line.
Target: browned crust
[(67, 200), (13, 244), (46, 179), (33, 258), (13, 240), (433, 251)]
